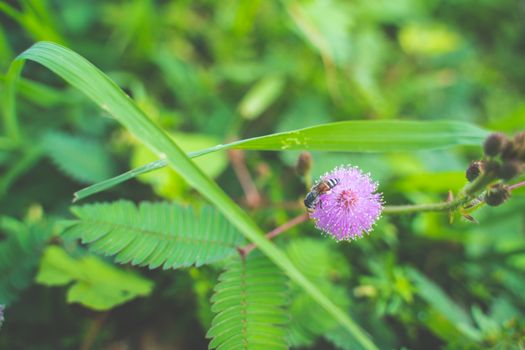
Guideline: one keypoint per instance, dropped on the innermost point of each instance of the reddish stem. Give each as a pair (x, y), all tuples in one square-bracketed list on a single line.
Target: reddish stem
[(244, 251), (517, 185), (253, 198)]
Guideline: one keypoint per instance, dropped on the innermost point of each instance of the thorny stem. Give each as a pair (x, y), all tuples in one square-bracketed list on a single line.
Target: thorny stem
[(244, 251), (468, 193), (414, 208)]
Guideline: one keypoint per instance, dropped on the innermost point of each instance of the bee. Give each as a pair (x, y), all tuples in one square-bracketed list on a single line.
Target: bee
[(322, 187)]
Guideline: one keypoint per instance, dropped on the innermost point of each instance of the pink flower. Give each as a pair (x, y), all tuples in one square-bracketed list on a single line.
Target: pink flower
[(351, 207)]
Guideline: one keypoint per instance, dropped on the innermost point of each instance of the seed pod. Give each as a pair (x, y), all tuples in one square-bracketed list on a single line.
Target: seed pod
[(510, 169), (494, 144), (474, 169), (497, 194)]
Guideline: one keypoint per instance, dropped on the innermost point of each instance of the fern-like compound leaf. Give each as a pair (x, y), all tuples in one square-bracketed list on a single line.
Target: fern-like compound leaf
[(79, 158), (249, 303), (156, 234), (323, 263), (21, 246)]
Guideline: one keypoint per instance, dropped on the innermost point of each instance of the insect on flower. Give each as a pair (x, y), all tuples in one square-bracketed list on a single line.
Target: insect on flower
[(348, 203), (322, 187)]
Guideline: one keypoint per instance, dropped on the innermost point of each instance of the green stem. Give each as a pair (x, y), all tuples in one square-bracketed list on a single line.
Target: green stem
[(10, 119), (415, 208), (468, 193)]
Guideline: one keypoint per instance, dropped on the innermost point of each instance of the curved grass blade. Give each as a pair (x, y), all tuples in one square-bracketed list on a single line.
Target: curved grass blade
[(379, 136), (128, 175), (366, 136), (83, 75)]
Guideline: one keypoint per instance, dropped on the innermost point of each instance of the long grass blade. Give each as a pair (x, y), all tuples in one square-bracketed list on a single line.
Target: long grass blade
[(350, 136), (83, 75)]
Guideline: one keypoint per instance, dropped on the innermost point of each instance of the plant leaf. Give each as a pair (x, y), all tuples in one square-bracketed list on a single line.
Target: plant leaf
[(97, 86), (442, 304), (80, 158), (261, 96), (380, 136), (108, 183), (369, 136), (20, 253), (321, 262), (97, 284), (155, 234), (249, 301)]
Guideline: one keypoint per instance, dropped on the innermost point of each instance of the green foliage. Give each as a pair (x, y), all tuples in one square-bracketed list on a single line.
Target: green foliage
[(87, 78), (261, 96), (384, 136), (247, 71), (155, 234), (168, 183), (249, 301), (84, 160), (443, 308), (20, 251), (94, 283), (369, 136), (323, 264)]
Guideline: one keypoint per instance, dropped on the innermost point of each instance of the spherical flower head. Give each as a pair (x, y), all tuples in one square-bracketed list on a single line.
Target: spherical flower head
[(351, 207)]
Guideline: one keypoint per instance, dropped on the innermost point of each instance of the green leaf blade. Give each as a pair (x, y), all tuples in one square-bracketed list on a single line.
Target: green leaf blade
[(95, 284), (250, 310), (444, 305), (370, 136), (155, 234), (83, 75)]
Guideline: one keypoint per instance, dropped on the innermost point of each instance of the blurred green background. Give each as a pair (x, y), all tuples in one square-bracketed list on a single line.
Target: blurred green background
[(211, 72)]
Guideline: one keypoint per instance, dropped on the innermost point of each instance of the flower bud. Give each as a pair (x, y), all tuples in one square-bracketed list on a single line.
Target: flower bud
[(514, 149), (497, 194), (492, 167), (494, 144), (304, 163), (475, 168), (510, 169), (519, 145)]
